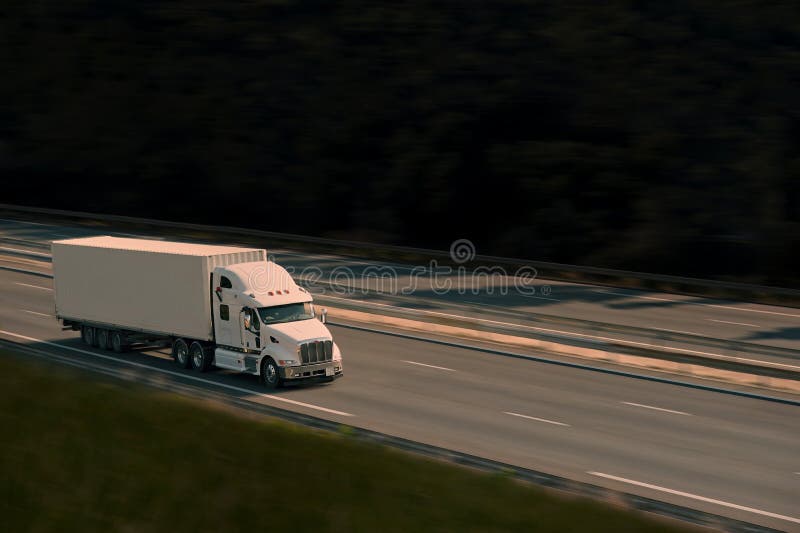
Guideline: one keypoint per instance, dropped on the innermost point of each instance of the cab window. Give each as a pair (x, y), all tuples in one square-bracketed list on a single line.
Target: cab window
[(224, 312), (225, 283), (252, 318)]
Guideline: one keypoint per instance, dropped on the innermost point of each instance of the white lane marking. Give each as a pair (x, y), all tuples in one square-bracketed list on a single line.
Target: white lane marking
[(429, 366), (35, 313), (20, 250), (657, 408), (179, 374), (642, 297), (537, 419), (696, 497), (33, 286), (733, 323), (678, 331), (764, 311)]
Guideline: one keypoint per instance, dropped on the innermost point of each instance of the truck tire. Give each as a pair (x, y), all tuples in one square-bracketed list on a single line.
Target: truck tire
[(270, 375), (201, 359), (87, 335), (101, 335), (180, 352), (118, 342)]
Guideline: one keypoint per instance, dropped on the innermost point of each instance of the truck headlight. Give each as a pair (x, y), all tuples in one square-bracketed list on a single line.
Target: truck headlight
[(287, 362)]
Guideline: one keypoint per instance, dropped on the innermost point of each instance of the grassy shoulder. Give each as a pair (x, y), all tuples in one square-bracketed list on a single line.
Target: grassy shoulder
[(85, 454)]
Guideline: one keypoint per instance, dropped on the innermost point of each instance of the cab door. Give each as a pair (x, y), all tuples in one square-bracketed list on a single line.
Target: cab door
[(226, 313), (250, 329)]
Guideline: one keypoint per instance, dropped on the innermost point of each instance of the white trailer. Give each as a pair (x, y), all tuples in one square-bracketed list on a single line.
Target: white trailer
[(218, 306)]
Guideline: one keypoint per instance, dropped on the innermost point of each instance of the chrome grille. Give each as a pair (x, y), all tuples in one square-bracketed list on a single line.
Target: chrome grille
[(316, 352)]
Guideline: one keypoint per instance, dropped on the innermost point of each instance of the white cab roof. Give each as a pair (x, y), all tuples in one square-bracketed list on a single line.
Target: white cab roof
[(154, 246)]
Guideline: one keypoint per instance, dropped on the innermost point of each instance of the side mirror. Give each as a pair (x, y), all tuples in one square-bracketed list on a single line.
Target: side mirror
[(323, 315)]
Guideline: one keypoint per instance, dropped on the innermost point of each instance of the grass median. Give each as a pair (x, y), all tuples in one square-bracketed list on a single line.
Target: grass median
[(87, 454)]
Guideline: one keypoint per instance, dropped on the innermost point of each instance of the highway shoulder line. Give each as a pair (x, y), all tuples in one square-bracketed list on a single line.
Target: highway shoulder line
[(696, 497), (196, 379), (32, 286), (37, 313)]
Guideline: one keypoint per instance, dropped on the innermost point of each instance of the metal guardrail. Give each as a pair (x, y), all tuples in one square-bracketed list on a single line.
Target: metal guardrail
[(535, 477), (554, 270), (660, 344)]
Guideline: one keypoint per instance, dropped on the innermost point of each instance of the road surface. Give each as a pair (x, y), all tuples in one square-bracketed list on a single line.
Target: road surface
[(729, 455)]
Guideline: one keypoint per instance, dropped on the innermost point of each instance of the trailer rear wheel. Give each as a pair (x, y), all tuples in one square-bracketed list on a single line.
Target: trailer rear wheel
[(180, 352), (102, 338), (118, 342), (200, 358), (87, 335), (270, 375)]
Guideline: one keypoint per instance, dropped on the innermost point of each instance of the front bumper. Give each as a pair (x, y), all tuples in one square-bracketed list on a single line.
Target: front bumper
[(330, 369)]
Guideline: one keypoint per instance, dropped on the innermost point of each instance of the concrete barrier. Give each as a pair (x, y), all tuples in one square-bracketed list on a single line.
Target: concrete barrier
[(595, 354)]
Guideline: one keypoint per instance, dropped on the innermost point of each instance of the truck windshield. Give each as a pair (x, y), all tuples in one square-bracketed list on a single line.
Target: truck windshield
[(286, 313)]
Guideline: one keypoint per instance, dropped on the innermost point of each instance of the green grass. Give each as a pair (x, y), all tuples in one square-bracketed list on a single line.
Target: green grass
[(84, 454)]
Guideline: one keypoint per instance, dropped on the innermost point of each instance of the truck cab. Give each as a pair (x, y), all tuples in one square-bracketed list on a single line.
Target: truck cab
[(265, 324)]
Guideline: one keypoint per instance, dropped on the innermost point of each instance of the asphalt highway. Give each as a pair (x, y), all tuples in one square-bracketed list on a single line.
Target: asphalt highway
[(663, 319), (729, 455)]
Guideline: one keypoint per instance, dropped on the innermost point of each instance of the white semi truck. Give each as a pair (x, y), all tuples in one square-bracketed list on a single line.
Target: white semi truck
[(220, 306)]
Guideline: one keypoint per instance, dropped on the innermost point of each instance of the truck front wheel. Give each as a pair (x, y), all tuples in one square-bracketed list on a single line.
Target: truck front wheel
[(201, 361), (270, 375), (180, 352)]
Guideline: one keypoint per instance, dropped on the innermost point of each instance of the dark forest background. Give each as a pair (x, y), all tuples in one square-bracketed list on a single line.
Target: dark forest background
[(657, 136)]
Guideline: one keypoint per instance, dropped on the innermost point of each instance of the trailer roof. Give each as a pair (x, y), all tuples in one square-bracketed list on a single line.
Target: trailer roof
[(155, 246)]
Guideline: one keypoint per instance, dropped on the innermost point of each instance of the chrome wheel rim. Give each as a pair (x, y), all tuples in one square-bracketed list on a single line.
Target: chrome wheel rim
[(197, 359), (181, 354), (271, 373)]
